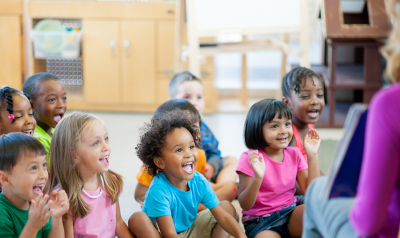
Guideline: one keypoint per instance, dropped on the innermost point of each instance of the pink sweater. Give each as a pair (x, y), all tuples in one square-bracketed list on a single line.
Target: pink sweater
[(376, 211)]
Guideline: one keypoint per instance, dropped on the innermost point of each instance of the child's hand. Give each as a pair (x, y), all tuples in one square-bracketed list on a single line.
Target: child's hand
[(312, 142), (209, 171), (60, 203), (257, 163), (39, 212)]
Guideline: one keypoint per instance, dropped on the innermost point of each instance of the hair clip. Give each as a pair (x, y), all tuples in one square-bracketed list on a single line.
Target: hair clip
[(4, 86), (11, 117)]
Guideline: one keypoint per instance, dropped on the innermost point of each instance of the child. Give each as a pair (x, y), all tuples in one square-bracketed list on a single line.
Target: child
[(16, 114), (49, 102), (303, 91), (23, 174), (224, 191), (168, 144), (269, 169), (186, 86), (80, 156)]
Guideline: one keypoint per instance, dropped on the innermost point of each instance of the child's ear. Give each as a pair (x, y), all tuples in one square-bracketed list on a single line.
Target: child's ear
[(33, 105), (4, 179), (286, 101), (159, 162)]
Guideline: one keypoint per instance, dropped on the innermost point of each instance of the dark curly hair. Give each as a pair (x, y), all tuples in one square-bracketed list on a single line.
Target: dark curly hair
[(31, 85), (153, 136), (291, 81)]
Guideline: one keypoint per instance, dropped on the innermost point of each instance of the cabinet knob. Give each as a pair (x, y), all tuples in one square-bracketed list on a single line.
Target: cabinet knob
[(126, 46), (170, 11), (112, 44)]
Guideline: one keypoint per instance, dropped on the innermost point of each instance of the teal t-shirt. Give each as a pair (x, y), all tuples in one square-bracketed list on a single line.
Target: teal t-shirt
[(13, 220), (45, 139), (163, 199)]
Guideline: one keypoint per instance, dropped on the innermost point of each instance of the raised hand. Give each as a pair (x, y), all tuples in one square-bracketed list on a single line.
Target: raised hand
[(39, 212), (312, 142), (60, 203), (257, 163)]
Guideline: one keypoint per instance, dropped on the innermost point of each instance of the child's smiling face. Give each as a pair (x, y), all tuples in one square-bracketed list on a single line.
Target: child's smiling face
[(178, 157), (278, 132), (26, 181), (24, 121), (50, 103), (93, 152), (308, 105), (192, 91)]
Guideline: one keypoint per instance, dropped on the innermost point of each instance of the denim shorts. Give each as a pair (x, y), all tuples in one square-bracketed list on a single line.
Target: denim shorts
[(278, 222)]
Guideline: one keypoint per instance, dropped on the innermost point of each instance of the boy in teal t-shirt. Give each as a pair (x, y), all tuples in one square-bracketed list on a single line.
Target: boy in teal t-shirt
[(169, 144), (24, 211), (49, 102)]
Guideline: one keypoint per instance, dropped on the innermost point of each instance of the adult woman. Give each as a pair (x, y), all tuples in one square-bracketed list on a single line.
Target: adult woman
[(375, 211)]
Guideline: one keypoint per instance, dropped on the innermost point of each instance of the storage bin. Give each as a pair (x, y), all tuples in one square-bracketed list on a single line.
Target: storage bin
[(56, 44)]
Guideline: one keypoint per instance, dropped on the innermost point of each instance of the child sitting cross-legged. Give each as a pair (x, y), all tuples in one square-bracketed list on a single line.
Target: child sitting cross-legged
[(168, 148), (24, 211), (224, 191)]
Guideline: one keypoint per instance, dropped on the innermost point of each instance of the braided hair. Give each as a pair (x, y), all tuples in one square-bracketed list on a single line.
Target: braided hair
[(291, 81), (6, 100)]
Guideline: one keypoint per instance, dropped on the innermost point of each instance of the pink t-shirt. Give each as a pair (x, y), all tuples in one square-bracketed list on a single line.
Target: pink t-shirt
[(101, 221), (279, 183)]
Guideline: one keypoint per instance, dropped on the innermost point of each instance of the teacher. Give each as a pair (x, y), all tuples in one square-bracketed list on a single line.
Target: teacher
[(375, 211)]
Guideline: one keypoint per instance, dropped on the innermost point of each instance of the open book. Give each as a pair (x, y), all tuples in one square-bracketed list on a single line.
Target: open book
[(345, 170)]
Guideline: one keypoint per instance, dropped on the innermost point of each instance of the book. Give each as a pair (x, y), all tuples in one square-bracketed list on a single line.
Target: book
[(346, 166)]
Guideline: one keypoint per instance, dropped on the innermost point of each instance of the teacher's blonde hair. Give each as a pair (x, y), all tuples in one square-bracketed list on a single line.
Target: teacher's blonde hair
[(391, 51)]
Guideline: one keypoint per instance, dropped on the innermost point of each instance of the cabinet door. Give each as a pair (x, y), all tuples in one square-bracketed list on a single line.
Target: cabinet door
[(165, 54), (138, 63), (10, 51), (100, 48)]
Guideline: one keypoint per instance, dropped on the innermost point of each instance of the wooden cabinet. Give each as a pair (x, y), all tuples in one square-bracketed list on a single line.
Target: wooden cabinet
[(118, 61), (10, 44), (101, 60), (138, 62)]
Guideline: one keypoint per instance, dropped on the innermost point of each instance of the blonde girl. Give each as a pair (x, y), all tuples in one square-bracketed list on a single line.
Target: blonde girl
[(80, 155)]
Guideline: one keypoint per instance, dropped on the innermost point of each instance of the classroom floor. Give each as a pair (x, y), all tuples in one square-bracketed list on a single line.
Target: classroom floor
[(228, 128)]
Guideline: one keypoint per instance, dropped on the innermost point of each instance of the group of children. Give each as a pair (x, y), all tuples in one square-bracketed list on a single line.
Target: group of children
[(58, 183)]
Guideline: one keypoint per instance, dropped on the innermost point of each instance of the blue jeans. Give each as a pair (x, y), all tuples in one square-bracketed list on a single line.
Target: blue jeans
[(278, 222), (326, 218)]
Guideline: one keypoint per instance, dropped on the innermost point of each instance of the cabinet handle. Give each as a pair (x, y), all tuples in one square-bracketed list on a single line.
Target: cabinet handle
[(126, 45), (112, 44)]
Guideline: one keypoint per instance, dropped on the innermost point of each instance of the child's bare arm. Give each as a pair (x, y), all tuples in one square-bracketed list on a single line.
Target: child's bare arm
[(140, 192), (68, 226), (39, 216), (227, 222), (121, 230), (249, 186), (167, 227), (312, 142), (60, 206)]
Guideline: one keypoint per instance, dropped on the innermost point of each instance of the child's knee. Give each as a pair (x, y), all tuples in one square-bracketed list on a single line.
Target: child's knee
[(230, 209), (139, 220), (233, 188), (232, 161)]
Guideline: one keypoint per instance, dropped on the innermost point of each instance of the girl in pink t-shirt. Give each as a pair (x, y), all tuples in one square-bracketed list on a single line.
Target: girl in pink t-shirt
[(80, 154), (268, 202)]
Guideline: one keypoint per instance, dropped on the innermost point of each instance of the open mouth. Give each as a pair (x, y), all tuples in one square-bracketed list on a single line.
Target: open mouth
[(28, 132), (188, 167), (38, 189), (104, 160), (283, 140), (313, 113), (58, 117)]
